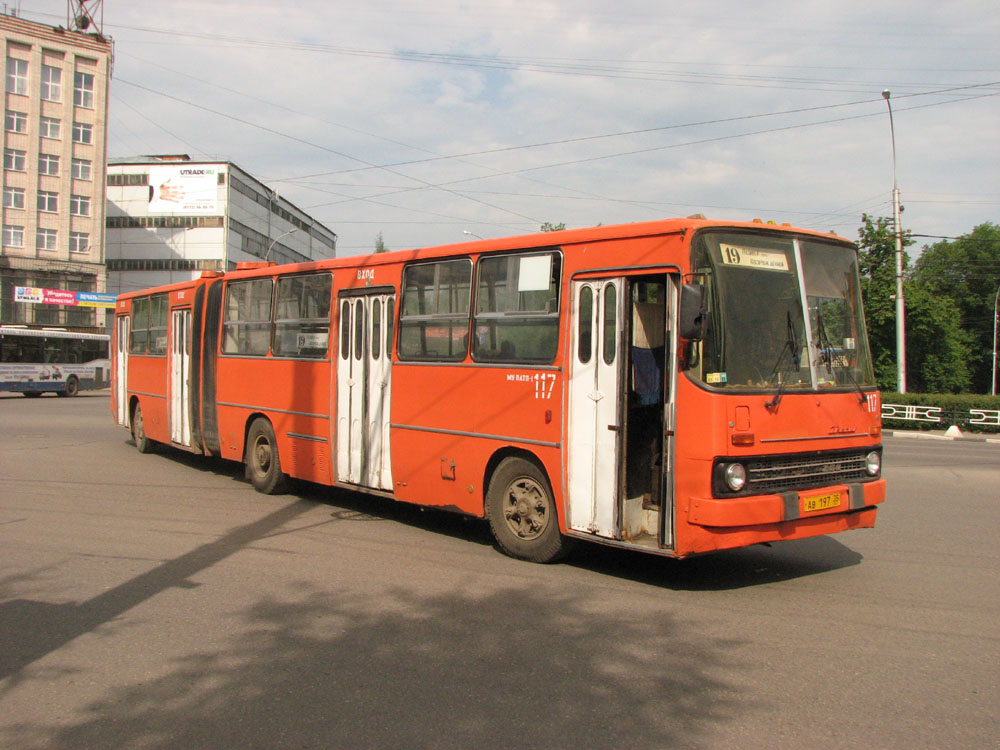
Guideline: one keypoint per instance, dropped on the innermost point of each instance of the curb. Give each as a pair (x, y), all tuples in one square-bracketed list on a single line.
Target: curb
[(932, 436)]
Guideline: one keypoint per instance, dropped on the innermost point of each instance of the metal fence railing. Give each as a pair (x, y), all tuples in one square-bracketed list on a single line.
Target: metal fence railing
[(941, 415)]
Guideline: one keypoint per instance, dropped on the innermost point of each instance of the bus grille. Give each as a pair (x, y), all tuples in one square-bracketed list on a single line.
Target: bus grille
[(793, 472)]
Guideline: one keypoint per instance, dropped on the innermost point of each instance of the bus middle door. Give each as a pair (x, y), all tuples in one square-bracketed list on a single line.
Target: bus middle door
[(364, 388)]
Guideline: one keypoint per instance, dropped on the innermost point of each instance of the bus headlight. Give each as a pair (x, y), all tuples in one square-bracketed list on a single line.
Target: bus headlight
[(736, 477), (873, 463)]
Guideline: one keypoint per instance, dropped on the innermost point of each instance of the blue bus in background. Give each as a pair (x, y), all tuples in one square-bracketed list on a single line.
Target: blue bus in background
[(34, 361)]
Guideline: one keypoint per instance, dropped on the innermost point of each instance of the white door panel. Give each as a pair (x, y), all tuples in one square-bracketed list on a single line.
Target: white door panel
[(594, 407), (180, 384), (121, 370), (364, 389)]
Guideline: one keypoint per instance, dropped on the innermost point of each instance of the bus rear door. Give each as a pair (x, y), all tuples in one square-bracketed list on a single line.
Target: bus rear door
[(180, 379), (121, 370)]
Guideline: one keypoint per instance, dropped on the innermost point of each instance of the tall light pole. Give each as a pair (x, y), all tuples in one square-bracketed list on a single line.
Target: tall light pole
[(900, 304), (993, 383), (275, 240)]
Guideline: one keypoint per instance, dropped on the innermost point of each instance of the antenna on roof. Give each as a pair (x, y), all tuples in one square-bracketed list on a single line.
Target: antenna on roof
[(85, 16)]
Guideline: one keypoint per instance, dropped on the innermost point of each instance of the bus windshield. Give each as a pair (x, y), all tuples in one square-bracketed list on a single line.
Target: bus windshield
[(784, 314)]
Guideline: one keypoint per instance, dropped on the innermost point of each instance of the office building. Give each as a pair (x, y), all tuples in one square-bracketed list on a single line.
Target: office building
[(54, 152)]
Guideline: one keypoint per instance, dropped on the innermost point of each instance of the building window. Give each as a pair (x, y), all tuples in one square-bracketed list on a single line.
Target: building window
[(48, 164), (48, 201), (15, 122), (51, 83), (17, 76), (49, 127), (83, 132), (45, 239), (123, 180), (79, 242), (79, 205), (81, 169), (13, 235), (13, 197), (83, 90), (14, 159)]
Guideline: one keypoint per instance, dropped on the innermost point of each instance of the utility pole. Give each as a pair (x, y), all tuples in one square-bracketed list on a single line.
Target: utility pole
[(900, 304), (993, 382)]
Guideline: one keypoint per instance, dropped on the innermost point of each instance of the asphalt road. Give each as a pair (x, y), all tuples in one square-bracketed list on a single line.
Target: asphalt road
[(159, 602)]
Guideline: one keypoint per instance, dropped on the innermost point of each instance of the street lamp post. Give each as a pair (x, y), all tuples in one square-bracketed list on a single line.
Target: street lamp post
[(275, 241), (898, 229), (993, 382)]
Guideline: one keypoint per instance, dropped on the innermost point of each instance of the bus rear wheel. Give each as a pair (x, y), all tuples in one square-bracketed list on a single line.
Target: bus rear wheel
[(72, 387), (522, 512), (262, 460), (139, 437)]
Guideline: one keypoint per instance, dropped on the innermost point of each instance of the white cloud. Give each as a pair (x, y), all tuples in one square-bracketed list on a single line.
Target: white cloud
[(288, 90)]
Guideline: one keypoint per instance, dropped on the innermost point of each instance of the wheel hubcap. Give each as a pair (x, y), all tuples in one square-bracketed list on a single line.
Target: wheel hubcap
[(262, 452), (526, 510)]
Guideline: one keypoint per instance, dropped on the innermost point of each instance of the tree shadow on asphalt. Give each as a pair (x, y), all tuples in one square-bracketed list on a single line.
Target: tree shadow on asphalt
[(515, 668)]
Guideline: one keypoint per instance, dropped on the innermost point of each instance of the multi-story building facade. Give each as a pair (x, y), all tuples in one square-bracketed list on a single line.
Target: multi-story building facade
[(54, 154), (170, 218)]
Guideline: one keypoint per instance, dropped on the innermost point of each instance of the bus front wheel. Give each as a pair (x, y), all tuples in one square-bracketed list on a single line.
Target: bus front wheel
[(72, 387), (262, 461), (139, 436), (522, 512)]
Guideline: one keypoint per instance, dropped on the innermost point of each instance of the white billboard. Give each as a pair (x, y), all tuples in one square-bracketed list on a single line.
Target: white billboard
[(189, 189)]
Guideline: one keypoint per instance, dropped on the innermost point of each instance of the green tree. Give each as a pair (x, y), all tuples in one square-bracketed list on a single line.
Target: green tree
[(967, 271), (877, 260), (937, 348), (380, 244), (937, 345), (548, 226)]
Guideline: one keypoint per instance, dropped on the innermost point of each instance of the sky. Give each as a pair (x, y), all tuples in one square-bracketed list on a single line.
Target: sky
[(430, 122)]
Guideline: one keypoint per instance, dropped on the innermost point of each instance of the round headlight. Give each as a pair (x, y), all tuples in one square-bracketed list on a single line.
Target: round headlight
[(873, 463), (736, 477)]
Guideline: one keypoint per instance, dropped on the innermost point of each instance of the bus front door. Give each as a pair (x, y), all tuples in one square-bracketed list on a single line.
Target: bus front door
[(180, 382), (121, 369), (620, 409), (364, 389), (595, 422)]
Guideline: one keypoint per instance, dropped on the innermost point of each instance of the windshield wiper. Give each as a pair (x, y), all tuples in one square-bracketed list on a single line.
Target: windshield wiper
[(794, 348), (826, 354)]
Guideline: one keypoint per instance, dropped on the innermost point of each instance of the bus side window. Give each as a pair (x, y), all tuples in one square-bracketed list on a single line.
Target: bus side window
[(434, 312), (247, 317), (302, 316), (517, 308)]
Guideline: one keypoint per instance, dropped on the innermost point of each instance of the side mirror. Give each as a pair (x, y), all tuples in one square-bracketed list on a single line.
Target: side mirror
[(693, 313)]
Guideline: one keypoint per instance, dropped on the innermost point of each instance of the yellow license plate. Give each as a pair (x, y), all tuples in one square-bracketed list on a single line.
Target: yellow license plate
[(820, 502)]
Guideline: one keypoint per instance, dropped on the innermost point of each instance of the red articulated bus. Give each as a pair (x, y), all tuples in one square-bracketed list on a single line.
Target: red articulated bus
[(675, 387)]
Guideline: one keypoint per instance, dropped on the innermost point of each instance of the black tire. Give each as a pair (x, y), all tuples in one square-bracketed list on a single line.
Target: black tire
[(72, 387), (31, 394), (139, 437), (263, 465), (522, 512)]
